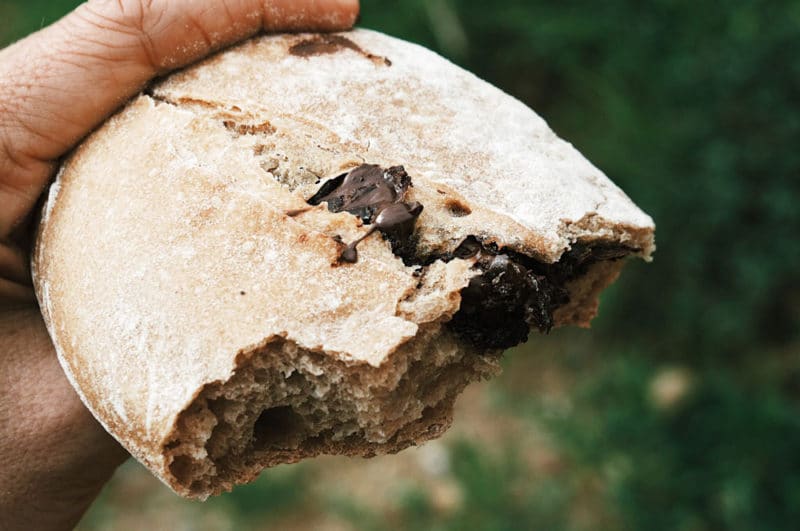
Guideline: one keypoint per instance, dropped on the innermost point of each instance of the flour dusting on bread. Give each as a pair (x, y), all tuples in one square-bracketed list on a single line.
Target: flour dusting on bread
[(200, 304)]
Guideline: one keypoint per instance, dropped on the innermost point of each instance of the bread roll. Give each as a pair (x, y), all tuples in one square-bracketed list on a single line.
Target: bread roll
[(311, 244)]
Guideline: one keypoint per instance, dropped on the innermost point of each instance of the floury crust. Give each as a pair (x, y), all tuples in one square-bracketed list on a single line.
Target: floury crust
[(213, 331)]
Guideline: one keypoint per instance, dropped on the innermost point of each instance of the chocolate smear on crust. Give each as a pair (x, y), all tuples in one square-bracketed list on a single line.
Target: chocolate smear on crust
[(377, 197)]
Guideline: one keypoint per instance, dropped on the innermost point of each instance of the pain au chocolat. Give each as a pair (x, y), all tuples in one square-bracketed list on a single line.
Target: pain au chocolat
[(311, 244)]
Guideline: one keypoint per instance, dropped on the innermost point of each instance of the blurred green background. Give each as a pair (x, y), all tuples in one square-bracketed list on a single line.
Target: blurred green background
[(680, 410)]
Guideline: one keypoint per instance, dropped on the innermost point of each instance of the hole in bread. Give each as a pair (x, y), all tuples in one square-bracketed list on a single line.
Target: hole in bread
[(278, 427), (326, 189), (457, 209), (182, 467), (329, 44)]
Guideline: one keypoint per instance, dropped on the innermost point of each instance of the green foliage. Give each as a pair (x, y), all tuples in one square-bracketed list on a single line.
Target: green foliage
[(500, 494), (21, 17), (275, 493), (497, 494), (718, 457)]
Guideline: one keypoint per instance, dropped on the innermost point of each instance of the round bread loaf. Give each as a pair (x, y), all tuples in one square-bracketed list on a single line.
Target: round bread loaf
[(311, 244)]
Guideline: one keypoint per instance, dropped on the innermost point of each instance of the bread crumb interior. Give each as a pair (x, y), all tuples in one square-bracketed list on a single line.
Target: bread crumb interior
[(284, 403)]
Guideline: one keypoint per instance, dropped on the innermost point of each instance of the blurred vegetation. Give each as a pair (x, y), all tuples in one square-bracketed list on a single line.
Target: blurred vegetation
[(680, 410)]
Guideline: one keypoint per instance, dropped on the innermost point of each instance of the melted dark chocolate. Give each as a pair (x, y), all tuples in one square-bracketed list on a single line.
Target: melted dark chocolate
[(327, 44), (512, 293), (499, 306), (516, 292), (376, 196)]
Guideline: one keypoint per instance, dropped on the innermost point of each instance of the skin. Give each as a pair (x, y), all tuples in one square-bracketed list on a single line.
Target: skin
[(56, 86)]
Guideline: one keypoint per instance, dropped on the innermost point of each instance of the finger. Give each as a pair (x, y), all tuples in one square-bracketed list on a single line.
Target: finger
[(15, 295), (58, 84), (13, 265), (15, 289)]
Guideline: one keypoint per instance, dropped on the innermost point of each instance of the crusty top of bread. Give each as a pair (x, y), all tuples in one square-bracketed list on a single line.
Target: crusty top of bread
[(442, 123), (165, 246)]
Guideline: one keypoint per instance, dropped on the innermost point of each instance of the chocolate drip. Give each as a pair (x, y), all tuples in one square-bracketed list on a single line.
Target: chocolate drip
[(396, 220), (376, 196)]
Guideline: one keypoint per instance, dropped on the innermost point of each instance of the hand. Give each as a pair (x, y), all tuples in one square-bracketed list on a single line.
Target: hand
[(55, 87)]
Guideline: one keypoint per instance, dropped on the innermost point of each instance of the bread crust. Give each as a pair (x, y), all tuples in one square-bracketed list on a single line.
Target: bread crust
[(166, 259)]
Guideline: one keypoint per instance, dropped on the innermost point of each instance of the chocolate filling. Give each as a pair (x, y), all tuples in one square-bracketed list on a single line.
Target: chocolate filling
[(513, 293), (376, 196), (516, 292)]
